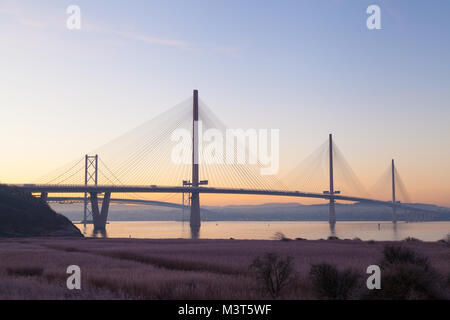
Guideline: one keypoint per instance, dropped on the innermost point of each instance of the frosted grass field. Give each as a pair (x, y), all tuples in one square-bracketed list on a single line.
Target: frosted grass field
[(177, 269)]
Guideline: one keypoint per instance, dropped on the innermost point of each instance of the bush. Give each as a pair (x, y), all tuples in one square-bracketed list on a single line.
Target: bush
[(280, 236), (406, 275), (330, 283), (446, 239), (408, 282), (274, 272), (25, 271), (411, 239), (393, 255), (448, 281)]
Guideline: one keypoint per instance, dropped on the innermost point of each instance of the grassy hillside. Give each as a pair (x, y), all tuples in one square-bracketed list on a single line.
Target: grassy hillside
[(22, 215)]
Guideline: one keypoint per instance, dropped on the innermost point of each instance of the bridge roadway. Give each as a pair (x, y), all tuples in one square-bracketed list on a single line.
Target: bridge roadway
[(120, 200), (36, 188)]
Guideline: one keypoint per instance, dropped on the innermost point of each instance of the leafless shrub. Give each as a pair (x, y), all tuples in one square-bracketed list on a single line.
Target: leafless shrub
[(393, 255), (446, 239), (330, 283), (25, 271), (407, 275), (411, 239), (280, 236), (448, 281), (408, 282), (274, 272)]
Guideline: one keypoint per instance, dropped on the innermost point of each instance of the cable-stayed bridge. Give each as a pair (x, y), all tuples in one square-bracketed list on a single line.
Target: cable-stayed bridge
[(141, 163)]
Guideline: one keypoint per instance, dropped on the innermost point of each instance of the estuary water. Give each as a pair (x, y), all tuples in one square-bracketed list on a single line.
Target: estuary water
[(265, 230)]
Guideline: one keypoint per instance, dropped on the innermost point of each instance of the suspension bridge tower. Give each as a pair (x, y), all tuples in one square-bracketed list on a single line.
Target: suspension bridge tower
[(90, 178), (99, 216)]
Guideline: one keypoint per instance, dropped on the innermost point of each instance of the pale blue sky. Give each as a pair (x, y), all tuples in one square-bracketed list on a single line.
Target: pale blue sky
[(306, 67)]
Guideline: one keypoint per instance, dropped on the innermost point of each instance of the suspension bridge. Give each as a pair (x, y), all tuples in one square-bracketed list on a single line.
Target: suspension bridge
[(138, 164)]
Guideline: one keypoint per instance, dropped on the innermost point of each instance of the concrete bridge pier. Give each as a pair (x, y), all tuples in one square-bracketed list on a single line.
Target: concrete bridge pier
[(332, 214), (195, 220), (100, 217), (44, 196)]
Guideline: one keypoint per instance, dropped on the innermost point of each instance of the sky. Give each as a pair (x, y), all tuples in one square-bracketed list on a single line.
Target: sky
[(308, 68)]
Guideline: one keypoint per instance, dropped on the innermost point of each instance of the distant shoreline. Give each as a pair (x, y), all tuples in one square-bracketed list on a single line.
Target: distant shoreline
[(78, 221), (266, 230)]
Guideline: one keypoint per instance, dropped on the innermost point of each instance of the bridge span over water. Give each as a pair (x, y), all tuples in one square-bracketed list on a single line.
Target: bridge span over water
[(96, 194), (105, 189), (108, 190)]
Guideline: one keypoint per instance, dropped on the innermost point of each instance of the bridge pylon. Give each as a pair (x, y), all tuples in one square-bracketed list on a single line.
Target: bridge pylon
[(394, 209), (90, 178), (99, 216), (195, 220), (331, 192)]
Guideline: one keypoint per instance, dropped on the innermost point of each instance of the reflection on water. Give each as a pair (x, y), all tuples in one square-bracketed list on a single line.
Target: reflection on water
[(332, 229), (376, 230), (102, 233), (395, 235), (195, 233)]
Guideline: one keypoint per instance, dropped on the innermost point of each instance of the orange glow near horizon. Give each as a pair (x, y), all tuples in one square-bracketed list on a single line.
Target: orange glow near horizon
[(426, 189), (382, 94)]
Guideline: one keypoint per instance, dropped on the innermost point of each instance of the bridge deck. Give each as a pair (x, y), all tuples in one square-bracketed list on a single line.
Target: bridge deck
[(35, 188)]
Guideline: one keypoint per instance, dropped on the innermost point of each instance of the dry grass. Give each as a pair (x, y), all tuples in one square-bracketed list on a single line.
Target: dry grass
[(177, 269), (27, 271), (170, 264)]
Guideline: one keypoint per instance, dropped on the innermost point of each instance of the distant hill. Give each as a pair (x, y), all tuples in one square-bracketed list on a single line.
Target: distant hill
[(22, 215), (261, 212), (318, 212)]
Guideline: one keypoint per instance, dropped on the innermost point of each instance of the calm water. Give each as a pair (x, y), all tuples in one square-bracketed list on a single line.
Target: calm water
[(376, 230)]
